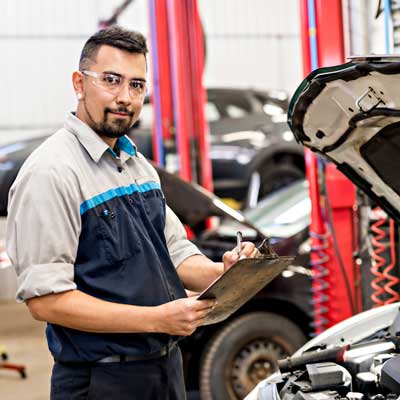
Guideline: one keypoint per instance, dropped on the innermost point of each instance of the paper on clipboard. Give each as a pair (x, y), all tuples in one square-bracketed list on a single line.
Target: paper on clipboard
[(240, 283)]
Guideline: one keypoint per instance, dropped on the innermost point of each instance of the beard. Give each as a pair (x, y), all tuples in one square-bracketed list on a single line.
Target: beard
[(117, 127), (112, 128)]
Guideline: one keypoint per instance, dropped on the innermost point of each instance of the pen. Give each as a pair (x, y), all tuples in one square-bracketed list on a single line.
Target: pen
[(239, 238)]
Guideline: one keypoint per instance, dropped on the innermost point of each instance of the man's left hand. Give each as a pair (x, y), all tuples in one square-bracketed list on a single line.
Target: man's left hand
[(230, 257)]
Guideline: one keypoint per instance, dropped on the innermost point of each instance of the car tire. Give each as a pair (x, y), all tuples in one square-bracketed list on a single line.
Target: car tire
[(245, 352), (276, 175)]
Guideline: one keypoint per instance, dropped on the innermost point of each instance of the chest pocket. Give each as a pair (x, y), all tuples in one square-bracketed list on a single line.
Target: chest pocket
[(118, 224)]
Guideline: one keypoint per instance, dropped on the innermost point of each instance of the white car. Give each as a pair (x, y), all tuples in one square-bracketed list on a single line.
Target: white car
[(350, 114)]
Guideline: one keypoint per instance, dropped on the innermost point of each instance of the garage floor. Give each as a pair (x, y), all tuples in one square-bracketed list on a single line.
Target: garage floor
[(24, 341)]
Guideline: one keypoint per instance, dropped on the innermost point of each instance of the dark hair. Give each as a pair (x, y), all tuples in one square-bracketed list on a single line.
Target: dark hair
[(115, 36)]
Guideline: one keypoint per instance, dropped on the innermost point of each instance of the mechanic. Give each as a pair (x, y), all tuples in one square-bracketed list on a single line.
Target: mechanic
[(98, 254)]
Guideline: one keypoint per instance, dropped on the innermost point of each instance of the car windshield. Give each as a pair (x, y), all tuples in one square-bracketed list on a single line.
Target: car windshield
[(281, 215)]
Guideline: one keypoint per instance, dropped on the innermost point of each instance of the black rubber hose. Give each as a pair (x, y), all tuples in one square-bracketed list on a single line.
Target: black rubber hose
[(334, 354)]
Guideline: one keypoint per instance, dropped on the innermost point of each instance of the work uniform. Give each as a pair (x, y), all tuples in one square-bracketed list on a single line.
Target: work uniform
[(83, 217)]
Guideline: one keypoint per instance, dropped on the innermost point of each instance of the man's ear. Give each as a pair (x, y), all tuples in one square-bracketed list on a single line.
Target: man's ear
[(77, 81)]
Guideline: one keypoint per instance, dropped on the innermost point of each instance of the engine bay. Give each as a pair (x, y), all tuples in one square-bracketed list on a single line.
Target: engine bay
[(365, 370)]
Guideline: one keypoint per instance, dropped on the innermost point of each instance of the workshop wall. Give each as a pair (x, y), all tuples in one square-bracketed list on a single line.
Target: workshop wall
[(253, 43), (40, 43)]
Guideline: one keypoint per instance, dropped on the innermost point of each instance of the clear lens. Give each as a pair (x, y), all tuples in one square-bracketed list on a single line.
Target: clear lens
[(113, 83), (109, 80), (137, 88)]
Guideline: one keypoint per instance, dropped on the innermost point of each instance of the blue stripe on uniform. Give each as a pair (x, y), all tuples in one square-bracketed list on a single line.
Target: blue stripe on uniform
[(117, 192)]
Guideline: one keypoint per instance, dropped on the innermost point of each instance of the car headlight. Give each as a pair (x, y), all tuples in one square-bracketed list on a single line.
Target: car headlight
[(240, 154), (5, 164)]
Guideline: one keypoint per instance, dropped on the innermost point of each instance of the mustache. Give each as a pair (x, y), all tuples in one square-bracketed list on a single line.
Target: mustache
[(118, 110)]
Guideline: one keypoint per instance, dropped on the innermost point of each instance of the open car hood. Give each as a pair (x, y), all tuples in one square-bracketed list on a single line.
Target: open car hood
[(351, 114), (193, 204)]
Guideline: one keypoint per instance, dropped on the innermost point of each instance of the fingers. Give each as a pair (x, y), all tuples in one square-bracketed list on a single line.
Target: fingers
[(230, 257), (190, 293), (202, 314), (200, 310), (256, 253), (197, 319), (204, 304), (183, 316), (247, 249)]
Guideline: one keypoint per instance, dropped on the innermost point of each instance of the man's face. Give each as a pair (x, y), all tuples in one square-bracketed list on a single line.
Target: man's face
[(112, 114)]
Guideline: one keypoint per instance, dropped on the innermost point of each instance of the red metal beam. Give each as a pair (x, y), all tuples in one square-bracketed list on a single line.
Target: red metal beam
[(199, 96), (179, 80), (187, 64), (330, 37), (164, 69), (161, 75), (305, 38)]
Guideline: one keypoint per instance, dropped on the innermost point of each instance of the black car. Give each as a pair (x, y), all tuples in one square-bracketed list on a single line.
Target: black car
[(12, 156), (252, 150)]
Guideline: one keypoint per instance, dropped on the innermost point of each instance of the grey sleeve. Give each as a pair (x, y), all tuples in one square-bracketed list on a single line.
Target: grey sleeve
[(179, 246), (43, 228)]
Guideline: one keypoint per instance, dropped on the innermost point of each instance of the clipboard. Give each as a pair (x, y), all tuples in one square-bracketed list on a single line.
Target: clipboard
[(242, 281)]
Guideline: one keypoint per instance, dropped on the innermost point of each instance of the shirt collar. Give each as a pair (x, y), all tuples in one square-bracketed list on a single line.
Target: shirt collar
[(92, 142)]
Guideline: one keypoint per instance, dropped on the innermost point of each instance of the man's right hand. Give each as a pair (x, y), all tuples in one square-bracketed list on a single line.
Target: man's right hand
[(182, 317)]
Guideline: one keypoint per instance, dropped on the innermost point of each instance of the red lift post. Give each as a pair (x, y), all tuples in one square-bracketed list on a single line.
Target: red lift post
[(187, 61), (335, 280), (180, 76), (179, 97), (163, 126)]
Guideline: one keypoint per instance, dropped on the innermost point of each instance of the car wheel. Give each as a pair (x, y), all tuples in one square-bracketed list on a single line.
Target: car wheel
[(245, 352), (276, 175)]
